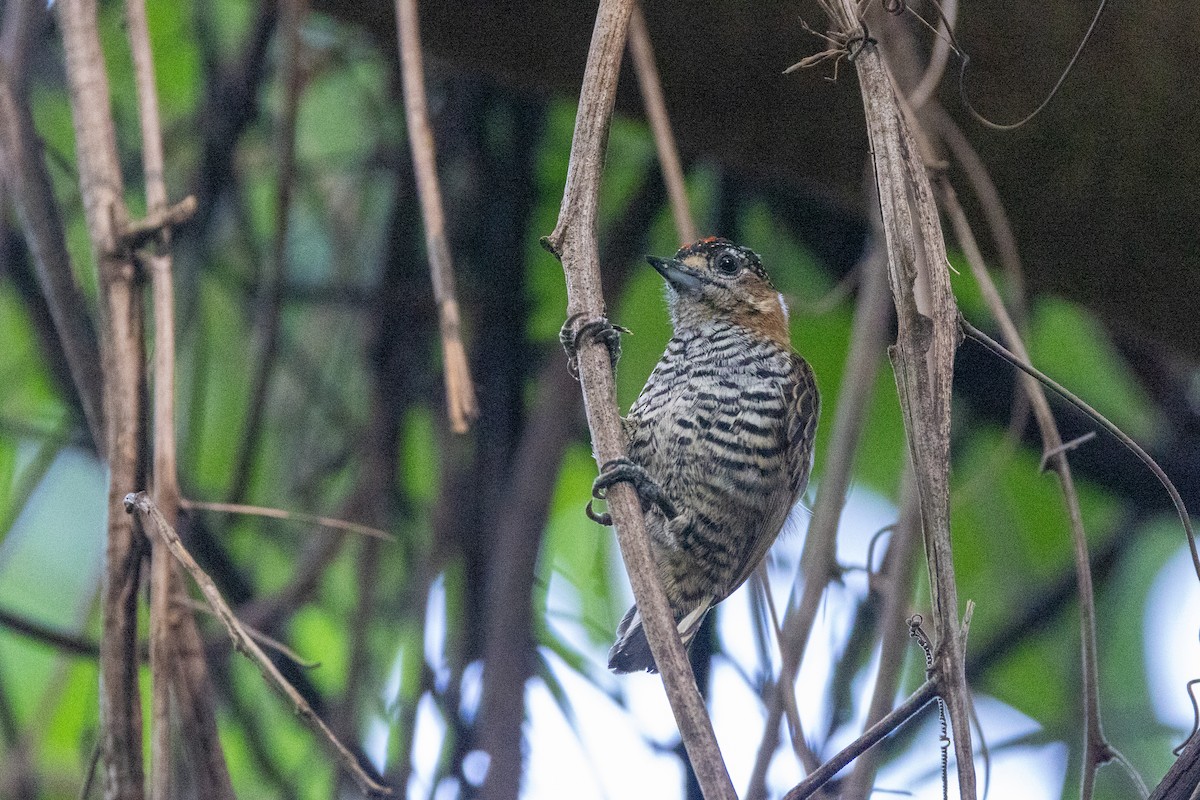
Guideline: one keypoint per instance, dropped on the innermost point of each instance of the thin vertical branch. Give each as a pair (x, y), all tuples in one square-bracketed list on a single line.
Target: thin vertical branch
[(176, 658), (165, 480), (574, 241), (460, 390), (923, 357), (938, 58), (1096, 749), (818, 560), (655, 106), (28, 182), (121, 366)]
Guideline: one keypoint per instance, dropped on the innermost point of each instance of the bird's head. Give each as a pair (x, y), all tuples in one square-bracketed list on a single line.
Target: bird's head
[(715, 279)]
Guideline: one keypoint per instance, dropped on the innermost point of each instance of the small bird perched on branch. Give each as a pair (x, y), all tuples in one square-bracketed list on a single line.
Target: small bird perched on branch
[(720, 440)]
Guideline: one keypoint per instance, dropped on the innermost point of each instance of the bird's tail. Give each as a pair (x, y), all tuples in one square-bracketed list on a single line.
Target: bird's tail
[(631, 653)]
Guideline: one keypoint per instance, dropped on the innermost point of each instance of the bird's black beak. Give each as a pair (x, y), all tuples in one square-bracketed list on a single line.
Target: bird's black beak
[(680, 276)]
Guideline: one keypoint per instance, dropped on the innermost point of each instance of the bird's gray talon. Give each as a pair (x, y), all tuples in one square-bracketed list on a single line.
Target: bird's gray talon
[(600, 330), (621, 470), (604, 518)]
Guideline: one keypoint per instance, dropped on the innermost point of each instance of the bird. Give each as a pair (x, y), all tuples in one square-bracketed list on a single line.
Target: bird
[(719, 442)]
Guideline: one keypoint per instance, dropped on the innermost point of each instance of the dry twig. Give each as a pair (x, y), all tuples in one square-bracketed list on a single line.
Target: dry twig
[(655, 106), (923, 357), (924, 695), (248, 647), (290, 516), (460, 391), (174, 639), (161, 217), (574, 242), (121, 365)]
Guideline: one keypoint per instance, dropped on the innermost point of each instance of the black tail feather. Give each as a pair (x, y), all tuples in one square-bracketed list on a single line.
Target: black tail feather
[(631, 653)]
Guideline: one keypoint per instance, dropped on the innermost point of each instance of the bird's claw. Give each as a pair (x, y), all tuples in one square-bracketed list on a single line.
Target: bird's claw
[(604, 518), (599, 329), (623, 470)]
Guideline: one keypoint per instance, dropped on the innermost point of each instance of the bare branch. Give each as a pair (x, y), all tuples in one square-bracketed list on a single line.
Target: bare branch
[(1096, 748), (460, 391), (248, 647), (291, 516), (574, 241), (872, 736), (28, 182), (923, 357), (177, 667), (655, 106), (161, 218), (121, 365)]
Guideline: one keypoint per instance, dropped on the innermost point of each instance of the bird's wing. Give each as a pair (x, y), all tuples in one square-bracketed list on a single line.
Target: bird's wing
[(804, 407), (800, 432)]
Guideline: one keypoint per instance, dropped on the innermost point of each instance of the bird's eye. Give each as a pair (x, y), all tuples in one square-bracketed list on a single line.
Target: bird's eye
[(727, 264)]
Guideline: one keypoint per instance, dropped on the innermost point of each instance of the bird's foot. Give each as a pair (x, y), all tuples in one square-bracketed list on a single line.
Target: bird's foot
[(599, 329), (622, 470)]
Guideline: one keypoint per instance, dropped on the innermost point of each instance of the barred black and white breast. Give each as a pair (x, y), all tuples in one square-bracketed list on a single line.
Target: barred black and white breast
[(725, 427)]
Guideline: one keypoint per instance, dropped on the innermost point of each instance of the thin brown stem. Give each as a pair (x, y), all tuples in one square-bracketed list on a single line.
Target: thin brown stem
[(165, 477), (177, 665), (460, 390), (574, 242), (160, 218), (655, 106), (245, 644), (924, 695), (257, 635), (923, 357), (1096, 748), (297, 517), (121, 365)]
